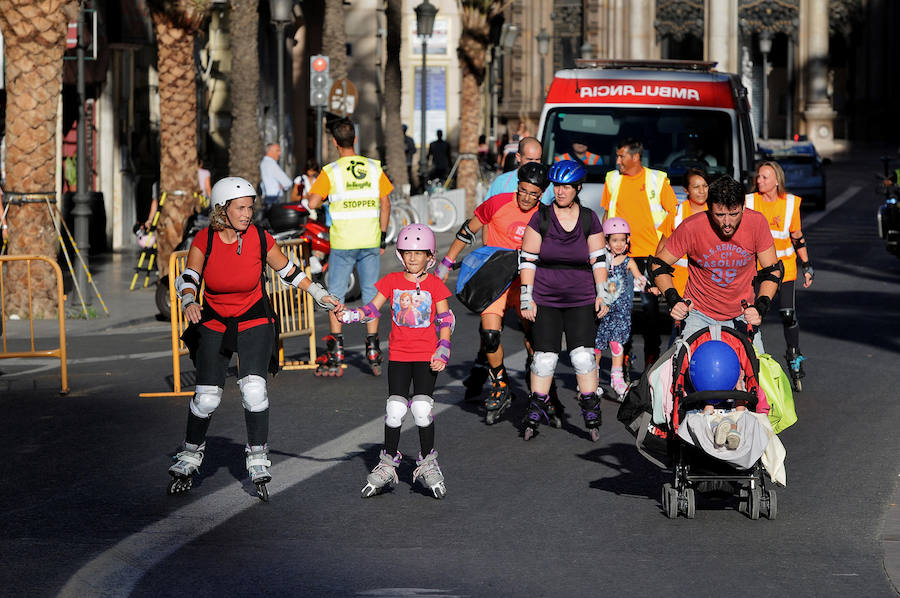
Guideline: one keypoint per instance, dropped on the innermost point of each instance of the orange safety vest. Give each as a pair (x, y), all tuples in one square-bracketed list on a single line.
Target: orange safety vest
[(784, 248)]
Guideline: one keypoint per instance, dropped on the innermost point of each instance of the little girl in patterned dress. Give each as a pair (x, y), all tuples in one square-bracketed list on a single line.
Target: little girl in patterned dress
[(615, 328)]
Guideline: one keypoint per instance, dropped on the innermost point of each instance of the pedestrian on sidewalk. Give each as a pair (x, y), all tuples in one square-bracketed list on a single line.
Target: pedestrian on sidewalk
[(273, 180)]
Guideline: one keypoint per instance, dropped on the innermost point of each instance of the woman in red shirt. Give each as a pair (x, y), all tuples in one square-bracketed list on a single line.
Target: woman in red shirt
[(235, 318)]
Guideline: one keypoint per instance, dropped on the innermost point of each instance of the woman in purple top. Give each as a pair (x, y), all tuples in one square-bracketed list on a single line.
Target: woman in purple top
[(563, 271)]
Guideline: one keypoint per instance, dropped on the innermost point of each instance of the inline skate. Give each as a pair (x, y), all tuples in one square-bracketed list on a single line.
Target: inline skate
[(795, 360), (331, 362), (590, 411), (499, 399), (537, 412), (429, 474), (373, 353), (258, 467), (187, 462), (384, 475)]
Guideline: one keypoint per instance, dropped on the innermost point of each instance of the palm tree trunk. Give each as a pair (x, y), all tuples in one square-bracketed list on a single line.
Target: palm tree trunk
[(472, 52), (334, 45), (177, 132), (34, 37), (395, 141), (245, 146)]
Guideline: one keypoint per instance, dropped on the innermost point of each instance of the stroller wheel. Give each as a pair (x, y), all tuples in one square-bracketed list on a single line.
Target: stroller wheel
[(772, 510), (670, 501), (753, 502), (690, 503)]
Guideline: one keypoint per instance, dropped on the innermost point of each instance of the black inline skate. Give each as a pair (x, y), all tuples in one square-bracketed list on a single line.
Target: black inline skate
[(590, 411), (478, 375), (499, 399), (331, 362), (373, 353), (187, 462), (795, 360), (537, 412)]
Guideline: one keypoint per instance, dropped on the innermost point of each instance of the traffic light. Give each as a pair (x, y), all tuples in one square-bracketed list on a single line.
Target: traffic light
[(319, 80)]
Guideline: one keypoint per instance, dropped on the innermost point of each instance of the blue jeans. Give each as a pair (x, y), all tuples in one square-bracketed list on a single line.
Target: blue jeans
[(340, 266), (697, 320)]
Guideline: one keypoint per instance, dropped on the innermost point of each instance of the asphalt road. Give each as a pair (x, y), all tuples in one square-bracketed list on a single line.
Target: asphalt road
[(83, 508)]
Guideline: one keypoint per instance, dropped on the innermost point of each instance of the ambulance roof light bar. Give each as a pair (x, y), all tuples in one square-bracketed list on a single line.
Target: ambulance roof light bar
[(614, 63)]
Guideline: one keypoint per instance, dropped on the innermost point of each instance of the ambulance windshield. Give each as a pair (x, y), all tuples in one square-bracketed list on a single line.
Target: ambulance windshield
[(674, 139)]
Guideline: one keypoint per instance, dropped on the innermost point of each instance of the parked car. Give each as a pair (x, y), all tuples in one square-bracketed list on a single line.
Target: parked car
[(803, 168)]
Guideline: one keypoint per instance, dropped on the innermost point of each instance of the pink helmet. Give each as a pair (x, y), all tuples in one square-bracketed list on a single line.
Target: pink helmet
[(616, 226), (416, 237)]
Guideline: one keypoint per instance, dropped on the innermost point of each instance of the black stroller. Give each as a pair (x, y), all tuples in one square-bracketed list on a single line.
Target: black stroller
[(654, 411)]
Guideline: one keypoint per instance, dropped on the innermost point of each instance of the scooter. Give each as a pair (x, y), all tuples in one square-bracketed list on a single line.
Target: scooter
[(293, 221), (888, 216)]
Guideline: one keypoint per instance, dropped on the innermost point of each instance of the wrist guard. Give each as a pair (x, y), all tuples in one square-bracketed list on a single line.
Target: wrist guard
[(762, 305), (383, 243), (672, 298), (806, 268), (318, 293), (442, 353), (525, 300), (443, 269), (603, 293)]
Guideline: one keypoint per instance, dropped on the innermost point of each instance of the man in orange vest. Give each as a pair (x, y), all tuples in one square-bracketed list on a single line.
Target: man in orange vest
[(580, 153), (643, 197)]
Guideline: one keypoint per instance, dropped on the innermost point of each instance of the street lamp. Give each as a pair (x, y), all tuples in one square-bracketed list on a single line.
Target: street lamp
[(81, 211), (280, 12), (765, 46), (543, 48), (425, 14)]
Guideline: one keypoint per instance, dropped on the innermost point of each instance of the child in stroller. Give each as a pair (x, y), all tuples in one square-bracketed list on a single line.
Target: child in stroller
[(713, 423)]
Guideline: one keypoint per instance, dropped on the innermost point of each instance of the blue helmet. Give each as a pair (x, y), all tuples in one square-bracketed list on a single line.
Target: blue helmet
[(567, 172), (714, 366)]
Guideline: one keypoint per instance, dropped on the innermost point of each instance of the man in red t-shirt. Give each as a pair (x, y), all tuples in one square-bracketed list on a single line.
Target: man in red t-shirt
[(502, 219), (722, 246)]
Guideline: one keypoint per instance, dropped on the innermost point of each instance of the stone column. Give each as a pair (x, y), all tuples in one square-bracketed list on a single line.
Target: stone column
[(818, 113), (721, 34), (640, 29)]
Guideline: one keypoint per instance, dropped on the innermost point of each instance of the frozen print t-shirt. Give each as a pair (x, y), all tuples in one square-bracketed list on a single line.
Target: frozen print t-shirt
[(413, 335)]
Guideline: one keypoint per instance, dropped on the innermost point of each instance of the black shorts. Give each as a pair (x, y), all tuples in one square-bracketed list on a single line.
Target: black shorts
[(402, 373), (254, 346), (578, 323)]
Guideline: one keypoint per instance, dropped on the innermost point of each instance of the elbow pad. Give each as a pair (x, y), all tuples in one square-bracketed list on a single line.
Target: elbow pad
[(773, 273), (444, 320), (464, 234), (657, 267), (291, 274), (527, 260)]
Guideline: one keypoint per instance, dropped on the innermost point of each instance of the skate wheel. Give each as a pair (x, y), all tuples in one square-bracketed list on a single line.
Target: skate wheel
[(376, 370), (368, 491), (179, 485), (491, 418), (595, 434), (797, 384), (439, 491), (529, 433), (262, 492)]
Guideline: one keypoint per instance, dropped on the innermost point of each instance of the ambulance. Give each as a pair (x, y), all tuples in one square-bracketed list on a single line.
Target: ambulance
[(686, 114)]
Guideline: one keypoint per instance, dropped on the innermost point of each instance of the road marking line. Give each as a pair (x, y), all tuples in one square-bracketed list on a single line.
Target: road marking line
[(117, 570), (832, 205)]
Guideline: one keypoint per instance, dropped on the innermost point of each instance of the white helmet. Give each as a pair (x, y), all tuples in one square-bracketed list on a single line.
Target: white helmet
[(229, 188)]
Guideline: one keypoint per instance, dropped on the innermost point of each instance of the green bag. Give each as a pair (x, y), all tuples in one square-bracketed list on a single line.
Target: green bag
[(777, 387)]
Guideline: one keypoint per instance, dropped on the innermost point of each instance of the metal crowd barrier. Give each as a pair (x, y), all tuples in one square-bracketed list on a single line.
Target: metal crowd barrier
[(60, 351), (294, 308)]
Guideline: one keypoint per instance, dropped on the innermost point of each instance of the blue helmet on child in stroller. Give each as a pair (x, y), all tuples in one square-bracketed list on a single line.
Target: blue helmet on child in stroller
[(714, 366)]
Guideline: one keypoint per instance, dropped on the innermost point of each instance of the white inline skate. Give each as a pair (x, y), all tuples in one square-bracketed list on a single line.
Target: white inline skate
[(384, 475), (429, 472), (187, 462), (258, 467)]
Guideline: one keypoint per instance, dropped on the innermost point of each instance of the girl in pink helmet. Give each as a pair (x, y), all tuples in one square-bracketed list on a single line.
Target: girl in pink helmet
[(419, 349), (615, 329)]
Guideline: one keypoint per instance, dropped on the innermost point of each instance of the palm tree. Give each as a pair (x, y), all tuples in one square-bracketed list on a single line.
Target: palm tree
[(472, 52), (34, 33), (394, 139), (334, 45), (245, 145), (176, 23)]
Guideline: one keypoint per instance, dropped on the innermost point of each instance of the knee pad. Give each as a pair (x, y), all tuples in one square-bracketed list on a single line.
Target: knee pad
[(206, 399), (490, 340), (788, 317), (544, 363), (421, 409), (582, 359), (616, 348), (394, 411), (253, 393)]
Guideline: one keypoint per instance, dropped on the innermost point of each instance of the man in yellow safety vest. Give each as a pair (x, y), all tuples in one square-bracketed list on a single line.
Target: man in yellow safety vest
[(356, 189), (643, 197)]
